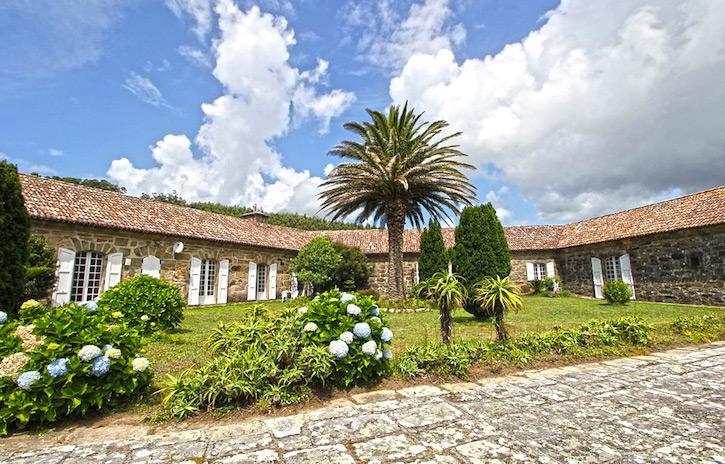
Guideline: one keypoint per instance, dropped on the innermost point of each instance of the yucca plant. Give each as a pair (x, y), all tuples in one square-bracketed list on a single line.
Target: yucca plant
[(401, 168), (498, 296), (447, 292)]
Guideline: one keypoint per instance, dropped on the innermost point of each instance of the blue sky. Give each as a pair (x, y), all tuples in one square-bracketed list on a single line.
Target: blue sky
[(568, 110)]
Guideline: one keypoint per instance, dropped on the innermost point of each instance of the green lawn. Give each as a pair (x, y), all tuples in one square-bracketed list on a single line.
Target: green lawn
[(184, 347)]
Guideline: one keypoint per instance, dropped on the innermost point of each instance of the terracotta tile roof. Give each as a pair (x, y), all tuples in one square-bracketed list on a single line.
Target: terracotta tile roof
[(58, 201)]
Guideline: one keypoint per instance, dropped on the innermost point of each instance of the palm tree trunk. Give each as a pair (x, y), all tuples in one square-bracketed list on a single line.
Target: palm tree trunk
[(395, 218), (500, 325), (446, 325)]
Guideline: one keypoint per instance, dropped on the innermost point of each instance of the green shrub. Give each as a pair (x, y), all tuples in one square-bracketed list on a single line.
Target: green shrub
[(706, 328), (144, 303), (372, 293), (537, 286), (40, 272), (433, 256), (617, 292), (38, 385), (552, 284), (316, 263), (14, 234), (353, 271)]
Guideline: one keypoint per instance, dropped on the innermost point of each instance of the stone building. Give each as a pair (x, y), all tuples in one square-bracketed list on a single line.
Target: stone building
[(670, 251)]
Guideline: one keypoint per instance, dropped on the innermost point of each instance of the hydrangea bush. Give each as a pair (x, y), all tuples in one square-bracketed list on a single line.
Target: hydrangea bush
[(65, 361), (145, 303), (354, 330)]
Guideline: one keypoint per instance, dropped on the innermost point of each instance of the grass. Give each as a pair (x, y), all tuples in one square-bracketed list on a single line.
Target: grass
[(184, 347)]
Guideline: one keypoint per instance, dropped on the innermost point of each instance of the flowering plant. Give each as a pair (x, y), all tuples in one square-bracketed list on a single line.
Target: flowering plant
[(51, 365), (354, 331)]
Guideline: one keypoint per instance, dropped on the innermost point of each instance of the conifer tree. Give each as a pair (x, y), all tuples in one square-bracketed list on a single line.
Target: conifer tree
[(14, 235), (433, 254)]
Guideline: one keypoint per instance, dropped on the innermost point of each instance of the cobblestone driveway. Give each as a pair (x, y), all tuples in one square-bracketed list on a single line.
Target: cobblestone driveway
[(669, 407)]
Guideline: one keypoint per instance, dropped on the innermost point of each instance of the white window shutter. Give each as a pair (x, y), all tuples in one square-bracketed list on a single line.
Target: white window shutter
[(530, 271), (417, 273), (295, 286), (272, 282), (252, 282), (597, 277), (151, 266), (114, 266), (550, 270), (450, 268), (63, 276), (626, 267), (194, 278), (223, 281)]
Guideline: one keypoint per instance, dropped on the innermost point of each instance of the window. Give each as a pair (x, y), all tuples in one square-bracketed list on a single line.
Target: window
[(539, 271), (612, 269), (86, 276), (694, 260), (261, 278), (207, 278)]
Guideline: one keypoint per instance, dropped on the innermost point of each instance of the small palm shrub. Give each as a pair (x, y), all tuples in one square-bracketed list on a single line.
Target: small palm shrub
[(498, 296), (552, 284), (144, 303), (447, 292), (65, 361), (617, 292), (537, 286)]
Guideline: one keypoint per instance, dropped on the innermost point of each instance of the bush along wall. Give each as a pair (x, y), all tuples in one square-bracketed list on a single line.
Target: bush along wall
[(65, 361), (14, 235), (337, 340)]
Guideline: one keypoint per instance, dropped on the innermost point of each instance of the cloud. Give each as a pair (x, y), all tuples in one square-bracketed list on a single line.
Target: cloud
[(144, 90), (195, 56), (56, 152), (200, 11), (608, 105), (28, 166), (495, 197), (387, 38), (231, 159)]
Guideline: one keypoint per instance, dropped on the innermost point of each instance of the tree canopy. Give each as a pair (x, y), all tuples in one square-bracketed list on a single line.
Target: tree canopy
[(317, 262), (14, 235), (433, 256)]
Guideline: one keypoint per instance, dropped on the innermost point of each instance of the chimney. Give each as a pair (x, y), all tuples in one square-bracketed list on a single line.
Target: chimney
[(256, 215)]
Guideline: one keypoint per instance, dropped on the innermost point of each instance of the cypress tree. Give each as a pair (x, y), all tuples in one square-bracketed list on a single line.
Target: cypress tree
[(14, 235), (481, 249), (433, 255)]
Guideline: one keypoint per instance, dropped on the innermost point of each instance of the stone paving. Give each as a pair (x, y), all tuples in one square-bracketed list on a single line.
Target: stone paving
[(668, 407)]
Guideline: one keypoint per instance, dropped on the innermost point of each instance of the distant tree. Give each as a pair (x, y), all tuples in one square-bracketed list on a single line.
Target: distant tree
[(481, 249), (316, 263), (102, 184), (353, 269), (173, 197), (14, 235), (433, 256), (40, 271)]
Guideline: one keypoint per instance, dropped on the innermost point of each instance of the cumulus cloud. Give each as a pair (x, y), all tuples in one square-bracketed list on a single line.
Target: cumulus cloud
[(608, 105), (145, 90), (387, 37), (230, 159)]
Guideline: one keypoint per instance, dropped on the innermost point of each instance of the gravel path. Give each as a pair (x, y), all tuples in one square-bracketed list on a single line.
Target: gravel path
[(669, 407)]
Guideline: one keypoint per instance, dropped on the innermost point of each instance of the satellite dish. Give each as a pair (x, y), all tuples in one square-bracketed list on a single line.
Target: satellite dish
[(178, 247)]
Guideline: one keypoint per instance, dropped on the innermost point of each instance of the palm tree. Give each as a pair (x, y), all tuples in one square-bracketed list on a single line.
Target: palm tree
[(402, 168), (498, 296), (447, 292)]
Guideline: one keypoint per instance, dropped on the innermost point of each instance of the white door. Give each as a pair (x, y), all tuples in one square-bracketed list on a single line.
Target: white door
[(272, 282), (597, 277), (114, 265), (194, 281), (63, 276), (626, 268), (151, 266), (252, 281), (207, 282), (223, 281), (261, 281)]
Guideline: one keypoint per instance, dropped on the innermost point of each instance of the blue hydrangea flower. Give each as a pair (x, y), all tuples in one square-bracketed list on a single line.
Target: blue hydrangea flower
[(27, 379), (89, 353), (58, 367), (353, 309), (347, 297), (338, 348), (347, 337), (3, 317), (100, 366), (376, 311), (90, 305), (310, 327), (361, 330), (387, 354), (387, 335), (107, 346), (369, 348)]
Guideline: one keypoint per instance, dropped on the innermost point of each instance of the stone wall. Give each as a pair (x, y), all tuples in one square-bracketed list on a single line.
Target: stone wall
[(518, 265), (379, 274), (664, 266), (174, 267)]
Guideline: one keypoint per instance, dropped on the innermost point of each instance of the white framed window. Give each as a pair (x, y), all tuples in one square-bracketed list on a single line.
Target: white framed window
[(612, 269), (539, 271), (86, 276), (207, 280)]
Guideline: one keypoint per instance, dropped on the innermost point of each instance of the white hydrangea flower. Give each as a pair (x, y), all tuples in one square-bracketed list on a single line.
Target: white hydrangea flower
[(353, 309), (338, 348), (375, 318), (89, 353), (347, 337), (140, 364), (310, 327), (378, 355), (113, 353), (369, 348), (387, 335), (361, 330), (302, 310), (347, 297), (387, 354), (144, 318), (3, 317)]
